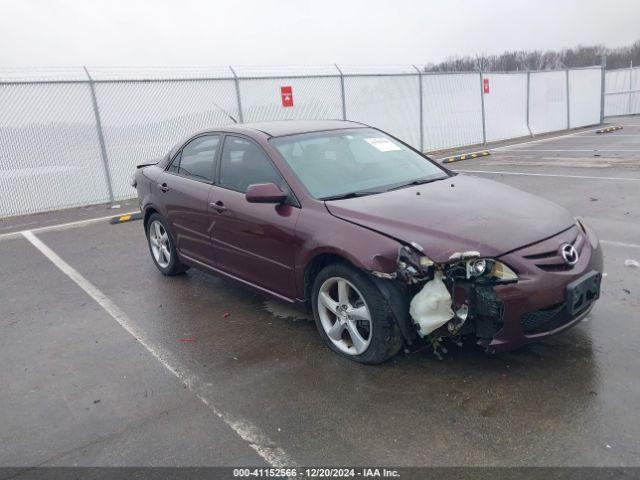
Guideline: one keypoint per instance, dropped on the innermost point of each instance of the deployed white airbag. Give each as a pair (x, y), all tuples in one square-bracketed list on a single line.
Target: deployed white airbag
[(431, 307)]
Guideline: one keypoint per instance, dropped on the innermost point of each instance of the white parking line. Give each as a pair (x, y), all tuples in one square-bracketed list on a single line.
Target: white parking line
[(511, 146), (60, 226), (611, 135), (547, 175), (542, 140), (578, 150), (257, 440)]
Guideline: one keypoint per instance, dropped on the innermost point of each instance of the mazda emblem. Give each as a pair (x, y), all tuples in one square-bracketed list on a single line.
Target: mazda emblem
[(569, 254)]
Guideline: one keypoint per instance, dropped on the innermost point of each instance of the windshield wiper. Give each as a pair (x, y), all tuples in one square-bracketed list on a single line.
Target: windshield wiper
[(344, 196), (420, 181)]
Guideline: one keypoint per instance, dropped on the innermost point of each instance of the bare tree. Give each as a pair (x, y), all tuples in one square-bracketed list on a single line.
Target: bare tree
[(579, 56)]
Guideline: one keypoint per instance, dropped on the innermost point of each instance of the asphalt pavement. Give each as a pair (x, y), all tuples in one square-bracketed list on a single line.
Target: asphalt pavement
[(106, 362)]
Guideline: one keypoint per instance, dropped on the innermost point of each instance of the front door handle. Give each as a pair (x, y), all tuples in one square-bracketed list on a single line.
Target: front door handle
[(163, 187), (219, 206)]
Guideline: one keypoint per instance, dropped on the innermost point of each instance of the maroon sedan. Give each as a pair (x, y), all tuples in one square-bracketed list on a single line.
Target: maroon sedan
[(387, 246)]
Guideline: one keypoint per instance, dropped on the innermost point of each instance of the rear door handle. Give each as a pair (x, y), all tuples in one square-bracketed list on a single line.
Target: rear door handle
[(163, 187), (219, 206)]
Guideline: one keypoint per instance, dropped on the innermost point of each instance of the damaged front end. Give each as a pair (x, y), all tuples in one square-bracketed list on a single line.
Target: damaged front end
[(454, 298)]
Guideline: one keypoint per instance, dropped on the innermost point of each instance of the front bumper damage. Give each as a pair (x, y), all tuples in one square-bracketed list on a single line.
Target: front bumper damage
[(432, 301)]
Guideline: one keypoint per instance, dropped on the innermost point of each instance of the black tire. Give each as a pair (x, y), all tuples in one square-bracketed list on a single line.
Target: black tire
[(386, 339), (174, 267)]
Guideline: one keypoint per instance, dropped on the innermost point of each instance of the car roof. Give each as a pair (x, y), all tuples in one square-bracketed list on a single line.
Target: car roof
[(277, 128), (281, 128)]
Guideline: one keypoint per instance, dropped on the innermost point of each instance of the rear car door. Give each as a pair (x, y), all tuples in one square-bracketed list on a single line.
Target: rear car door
[(185, 186), (255, 242)]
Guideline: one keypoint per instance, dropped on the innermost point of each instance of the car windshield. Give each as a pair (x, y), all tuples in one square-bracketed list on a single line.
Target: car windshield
[(353, 162)]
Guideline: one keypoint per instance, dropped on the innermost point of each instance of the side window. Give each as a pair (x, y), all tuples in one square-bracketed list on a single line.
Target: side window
[(198, 157), (243, 163)]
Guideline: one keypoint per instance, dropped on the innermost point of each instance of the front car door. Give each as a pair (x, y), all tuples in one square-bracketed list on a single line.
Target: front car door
[(252, 241), (186, 185)]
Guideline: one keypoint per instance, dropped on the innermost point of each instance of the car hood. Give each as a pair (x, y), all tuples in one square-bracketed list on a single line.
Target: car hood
[(457, 214)]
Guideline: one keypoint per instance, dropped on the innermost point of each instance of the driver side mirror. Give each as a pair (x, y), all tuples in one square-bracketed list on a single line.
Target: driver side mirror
[(265, 193)]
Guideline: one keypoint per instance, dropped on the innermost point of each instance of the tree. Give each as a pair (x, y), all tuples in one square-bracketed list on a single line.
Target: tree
[(579, 56)]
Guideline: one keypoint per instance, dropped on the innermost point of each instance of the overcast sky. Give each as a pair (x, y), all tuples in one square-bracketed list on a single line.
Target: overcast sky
[(299, 32)]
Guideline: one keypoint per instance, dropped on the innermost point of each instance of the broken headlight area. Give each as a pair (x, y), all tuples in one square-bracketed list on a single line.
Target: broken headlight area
[(453, 298)]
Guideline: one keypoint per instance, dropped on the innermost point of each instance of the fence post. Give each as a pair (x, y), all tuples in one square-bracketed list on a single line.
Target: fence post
[(630, 84), (528, 99), (103, 148), (484, 126), (421, 113), (568, 100), (603, 67), (237, 84), (344, 102)]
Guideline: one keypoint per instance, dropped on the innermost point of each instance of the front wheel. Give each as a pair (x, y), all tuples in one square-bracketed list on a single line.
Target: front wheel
[(162, 247), (352, 316)]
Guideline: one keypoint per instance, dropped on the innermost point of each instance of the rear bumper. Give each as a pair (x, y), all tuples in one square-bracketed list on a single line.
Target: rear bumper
[(536, 306)]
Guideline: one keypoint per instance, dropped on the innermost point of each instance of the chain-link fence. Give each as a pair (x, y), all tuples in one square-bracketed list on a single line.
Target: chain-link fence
[(622, 94), (73, 136)]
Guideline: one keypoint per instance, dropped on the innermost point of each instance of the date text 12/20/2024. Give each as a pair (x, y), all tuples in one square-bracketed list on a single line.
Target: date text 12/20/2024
[(362, 472)]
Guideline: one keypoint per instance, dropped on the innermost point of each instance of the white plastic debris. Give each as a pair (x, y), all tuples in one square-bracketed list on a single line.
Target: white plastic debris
[(464, 255), (431, 307), (631, 263)]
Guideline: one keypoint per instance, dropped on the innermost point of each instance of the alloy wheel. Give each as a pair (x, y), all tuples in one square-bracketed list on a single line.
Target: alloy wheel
[(159, 241), (345, 316)]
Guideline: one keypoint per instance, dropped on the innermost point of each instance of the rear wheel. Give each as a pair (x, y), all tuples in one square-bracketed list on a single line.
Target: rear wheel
[(352, 316), (162, 247)]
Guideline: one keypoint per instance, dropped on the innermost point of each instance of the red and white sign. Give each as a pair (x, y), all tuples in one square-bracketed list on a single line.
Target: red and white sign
[(287, 96), (485, 85)]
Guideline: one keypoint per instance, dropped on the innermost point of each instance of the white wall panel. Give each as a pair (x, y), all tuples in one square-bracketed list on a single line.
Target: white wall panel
[(313, 98), (617, 98), (506, 106), (452, 110), (391, 103), (548, 102), (635, 87), (584, 96), (142, 121), (49, 150)]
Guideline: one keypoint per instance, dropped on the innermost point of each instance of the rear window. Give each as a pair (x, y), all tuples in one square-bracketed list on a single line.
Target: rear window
[(197, 158)]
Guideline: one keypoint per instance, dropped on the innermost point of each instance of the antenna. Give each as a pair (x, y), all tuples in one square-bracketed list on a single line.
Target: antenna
[(224, 111)]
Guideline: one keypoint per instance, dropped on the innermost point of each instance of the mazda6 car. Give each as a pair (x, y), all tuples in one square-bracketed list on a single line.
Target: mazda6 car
[(388, 247)]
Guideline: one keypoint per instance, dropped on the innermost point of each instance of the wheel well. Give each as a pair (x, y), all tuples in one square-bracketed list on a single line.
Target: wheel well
[(317, 264), (147, 213)]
